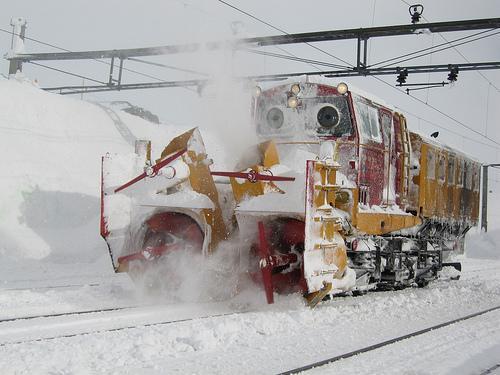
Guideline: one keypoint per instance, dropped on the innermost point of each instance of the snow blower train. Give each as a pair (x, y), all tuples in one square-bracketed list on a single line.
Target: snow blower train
[(338, 197)]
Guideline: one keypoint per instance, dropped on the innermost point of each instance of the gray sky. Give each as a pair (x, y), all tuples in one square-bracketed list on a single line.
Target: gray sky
[(88, 24)]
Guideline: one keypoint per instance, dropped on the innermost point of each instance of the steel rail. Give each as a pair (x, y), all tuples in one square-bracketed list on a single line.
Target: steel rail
[(41, 339), (67, 313), (385, 343)]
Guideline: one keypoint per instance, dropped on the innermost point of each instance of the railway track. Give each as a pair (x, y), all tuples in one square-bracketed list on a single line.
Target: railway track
[(69, 313), (389, 342), (90, 322), (17, 289)]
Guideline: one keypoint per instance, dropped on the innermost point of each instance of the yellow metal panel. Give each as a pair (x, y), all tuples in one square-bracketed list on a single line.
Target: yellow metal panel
[(381, 223), (428, 181), (269, 154), (441, 185), (244, 188), (201, 181)]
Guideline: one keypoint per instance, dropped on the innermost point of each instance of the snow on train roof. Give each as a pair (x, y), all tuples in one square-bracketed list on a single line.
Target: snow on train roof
[(436, 143), (357, 91), (328, 82)]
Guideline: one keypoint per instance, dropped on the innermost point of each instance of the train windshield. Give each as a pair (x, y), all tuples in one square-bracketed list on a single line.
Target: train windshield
[(332, 117)]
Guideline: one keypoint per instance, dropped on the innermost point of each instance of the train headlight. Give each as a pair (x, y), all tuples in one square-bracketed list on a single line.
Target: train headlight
[(292, 102), (257, 91), (295, 89), (342, 88), (275, 118)]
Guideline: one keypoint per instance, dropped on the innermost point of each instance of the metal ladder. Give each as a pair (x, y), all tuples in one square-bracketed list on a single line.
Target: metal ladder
[(329, 222)]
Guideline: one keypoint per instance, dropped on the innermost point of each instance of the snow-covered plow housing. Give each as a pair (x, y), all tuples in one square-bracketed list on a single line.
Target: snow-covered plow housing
[(150, 209), (338, 197)]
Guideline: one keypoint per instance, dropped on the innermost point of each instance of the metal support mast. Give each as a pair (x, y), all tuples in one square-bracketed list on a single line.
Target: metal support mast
[(484, 197), (17, 45)]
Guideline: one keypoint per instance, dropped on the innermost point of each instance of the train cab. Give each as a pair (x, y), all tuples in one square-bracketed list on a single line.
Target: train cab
[(372, 141)]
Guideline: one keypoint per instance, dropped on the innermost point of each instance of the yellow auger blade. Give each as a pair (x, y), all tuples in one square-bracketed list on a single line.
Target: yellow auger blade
[(316, 297)]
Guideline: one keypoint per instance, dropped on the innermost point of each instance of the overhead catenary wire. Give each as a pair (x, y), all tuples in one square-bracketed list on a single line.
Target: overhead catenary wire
[(66, 72), (67, 50), (34, 40), (379, 79), (460, 53), (418, 117), (277, 47), (429, 49), (268, 24), (166, 66), (442, 49), (281, 31), (295, 58), (439, 111)]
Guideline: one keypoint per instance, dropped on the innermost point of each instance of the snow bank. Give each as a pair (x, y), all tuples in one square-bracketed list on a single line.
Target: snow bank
[(50, 173)]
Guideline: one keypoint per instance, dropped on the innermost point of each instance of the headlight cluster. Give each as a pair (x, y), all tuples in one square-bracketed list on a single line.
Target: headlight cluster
[(328, 115)]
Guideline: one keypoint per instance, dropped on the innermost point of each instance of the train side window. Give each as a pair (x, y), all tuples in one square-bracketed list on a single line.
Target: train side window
[(367, 119), (386, 122), (468, 176), (476, 178), (460, 175), (442, 169), (431, 165), (451, 171)]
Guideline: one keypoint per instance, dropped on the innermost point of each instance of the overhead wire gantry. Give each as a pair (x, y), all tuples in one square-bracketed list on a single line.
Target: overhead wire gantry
[(361, 67)]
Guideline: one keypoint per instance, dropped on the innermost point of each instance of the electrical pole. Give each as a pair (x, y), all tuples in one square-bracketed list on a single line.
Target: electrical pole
[(17, 45), (484, 198)]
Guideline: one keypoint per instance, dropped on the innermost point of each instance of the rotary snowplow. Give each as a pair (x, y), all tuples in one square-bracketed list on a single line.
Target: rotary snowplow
[(151, 209), (339, 197)]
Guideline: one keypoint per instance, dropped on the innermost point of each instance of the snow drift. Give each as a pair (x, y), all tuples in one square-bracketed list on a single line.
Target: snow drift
[(50, 170)]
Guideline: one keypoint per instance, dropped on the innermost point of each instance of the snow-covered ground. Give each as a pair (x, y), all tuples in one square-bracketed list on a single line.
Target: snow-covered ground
[(255, 338), (52, 261)]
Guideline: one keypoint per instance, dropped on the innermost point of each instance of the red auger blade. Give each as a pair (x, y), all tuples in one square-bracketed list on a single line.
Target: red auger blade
[(155, 170), (265, 266), (149, 253), (253, 176)]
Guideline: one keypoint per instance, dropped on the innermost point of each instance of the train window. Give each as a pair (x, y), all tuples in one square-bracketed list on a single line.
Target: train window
[(442, 169), (431, 164), (367, 118), (460, 173), (451, 171), (332, 116), (476, 178), (468, 176), (386, 122)]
